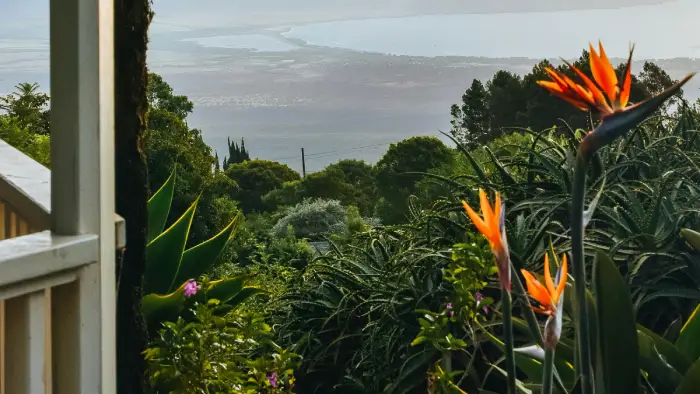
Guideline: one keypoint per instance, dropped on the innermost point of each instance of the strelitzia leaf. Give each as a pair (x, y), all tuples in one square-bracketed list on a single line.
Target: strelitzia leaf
[(670, 353), (655, 364), (164, 254), (688, 341), (159, 207), (199, 259), (531, 367), (618, 350), (691, 380)]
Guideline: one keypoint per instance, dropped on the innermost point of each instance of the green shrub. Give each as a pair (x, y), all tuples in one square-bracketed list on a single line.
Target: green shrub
[(233, 353)]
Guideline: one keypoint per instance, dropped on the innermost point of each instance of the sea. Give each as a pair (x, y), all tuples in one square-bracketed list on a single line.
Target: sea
[(347, 88)]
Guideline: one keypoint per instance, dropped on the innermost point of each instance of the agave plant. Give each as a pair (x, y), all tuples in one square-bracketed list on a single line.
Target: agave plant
[(171, 268)]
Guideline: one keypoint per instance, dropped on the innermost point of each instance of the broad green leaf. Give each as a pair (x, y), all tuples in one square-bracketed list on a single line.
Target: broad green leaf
[(671, 353), (199, 259), (531, 367), (651, 360), (618, 349), (159, 207), (688, 341), (691, 237), (564, 368), (243, 295), (164, 254), (691, 380), (224, 289), (157, 308)]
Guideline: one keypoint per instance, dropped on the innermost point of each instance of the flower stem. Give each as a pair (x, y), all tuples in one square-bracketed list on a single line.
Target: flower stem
[(548, 374), (507, 309), (583, 335)]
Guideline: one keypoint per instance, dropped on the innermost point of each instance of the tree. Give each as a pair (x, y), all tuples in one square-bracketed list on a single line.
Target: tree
[(653, 80), (236, 153), (131, 21), (395, 184), (511, 101), (471, 122), (161, 97), (506, 102), (255, 178), (171, 143), (29, 107), (36, 146)]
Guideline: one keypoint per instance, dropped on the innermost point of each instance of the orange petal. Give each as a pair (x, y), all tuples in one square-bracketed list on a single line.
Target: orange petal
[(627, 83), (476, 219), (497, 212), (548, 276), (485, 208), (551, 86), (603, 72), (562, 279), (601, 102), (536, 290), (558, 78), (541, 310), (575, 101)]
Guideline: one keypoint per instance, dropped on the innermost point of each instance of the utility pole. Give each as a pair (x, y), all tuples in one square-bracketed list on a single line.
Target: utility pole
[(303, 163)]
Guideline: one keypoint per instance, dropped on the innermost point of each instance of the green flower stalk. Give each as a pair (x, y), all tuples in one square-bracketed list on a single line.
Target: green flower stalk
[(492, 226), (609, 98)]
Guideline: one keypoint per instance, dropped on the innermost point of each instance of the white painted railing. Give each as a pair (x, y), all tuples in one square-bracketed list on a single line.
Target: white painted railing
[(42, 280), (57, 253)]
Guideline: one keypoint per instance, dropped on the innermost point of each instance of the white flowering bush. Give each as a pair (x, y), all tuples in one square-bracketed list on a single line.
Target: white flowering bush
[(313, 219)]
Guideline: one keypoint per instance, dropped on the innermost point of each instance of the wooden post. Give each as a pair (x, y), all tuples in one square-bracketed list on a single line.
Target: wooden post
[(303, 163)]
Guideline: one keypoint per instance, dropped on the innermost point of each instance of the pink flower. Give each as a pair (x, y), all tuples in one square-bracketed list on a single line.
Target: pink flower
[(191, 288), (272, 378), (480, 297), (449, 308)]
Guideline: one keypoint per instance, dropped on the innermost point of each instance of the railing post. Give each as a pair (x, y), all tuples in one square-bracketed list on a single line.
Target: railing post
[(82, 189), (25, 344)]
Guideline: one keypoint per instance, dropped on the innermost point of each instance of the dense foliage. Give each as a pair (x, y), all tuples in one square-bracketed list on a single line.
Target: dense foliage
[(374, 275)]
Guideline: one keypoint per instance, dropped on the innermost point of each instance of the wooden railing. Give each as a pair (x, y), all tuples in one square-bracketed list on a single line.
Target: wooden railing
[(46, 281)]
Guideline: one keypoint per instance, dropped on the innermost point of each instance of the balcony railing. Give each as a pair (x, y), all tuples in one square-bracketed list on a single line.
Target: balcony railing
[(43, 285)]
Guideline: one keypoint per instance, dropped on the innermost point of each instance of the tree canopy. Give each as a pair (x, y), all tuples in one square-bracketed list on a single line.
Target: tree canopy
[(255, 178), (507, 100), (395, 183)]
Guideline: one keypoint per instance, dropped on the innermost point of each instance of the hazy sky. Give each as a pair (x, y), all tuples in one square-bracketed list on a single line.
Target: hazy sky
[(28, 18)]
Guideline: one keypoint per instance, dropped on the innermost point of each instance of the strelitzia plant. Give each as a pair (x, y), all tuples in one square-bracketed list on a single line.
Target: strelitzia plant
[(606, 96), (613, 324), (492, 226)]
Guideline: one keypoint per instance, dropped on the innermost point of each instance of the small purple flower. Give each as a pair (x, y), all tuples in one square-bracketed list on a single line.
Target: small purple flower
[(479, 298), (191, 288), (272, 378), (449, 308)]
